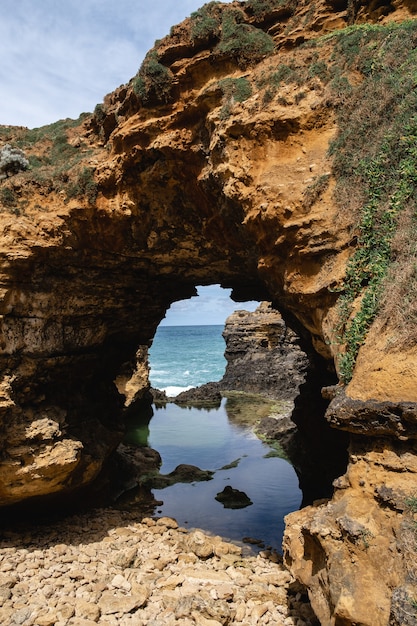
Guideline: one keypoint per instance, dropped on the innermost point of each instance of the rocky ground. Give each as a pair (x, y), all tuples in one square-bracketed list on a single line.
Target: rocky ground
[(106, 567)]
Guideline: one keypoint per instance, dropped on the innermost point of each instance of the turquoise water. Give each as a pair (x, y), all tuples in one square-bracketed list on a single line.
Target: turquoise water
[(188, 356), (182, 357)]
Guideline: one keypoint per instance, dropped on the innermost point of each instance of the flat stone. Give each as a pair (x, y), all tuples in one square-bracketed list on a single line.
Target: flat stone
[(110, 603), (206, 576), (87, 610), (119, 582)]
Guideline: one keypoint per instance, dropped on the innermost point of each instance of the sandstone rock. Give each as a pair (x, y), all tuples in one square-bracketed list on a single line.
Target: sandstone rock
[(87, 610), (200, 544), (119, 582), (183, 473), (194, 190), (263, 355), (176, 587), (110, 603), (207, 395)]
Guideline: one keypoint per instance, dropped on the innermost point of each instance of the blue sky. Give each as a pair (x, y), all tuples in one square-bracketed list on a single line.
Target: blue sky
[(211, 306), (59, 58)]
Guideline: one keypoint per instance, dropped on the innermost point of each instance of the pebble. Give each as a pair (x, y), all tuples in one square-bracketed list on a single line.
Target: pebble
[(109, 567)]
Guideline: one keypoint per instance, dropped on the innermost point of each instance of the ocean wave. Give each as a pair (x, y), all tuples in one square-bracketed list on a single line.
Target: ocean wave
[(173, 391)]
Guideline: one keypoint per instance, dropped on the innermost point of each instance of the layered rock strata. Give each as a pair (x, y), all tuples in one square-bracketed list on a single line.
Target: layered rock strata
[(213, 166), (263, 355)]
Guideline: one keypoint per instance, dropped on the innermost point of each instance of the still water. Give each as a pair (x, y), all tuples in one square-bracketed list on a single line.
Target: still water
[(226, 445)]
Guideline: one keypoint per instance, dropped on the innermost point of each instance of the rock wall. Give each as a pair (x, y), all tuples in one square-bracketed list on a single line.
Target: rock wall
[(211, 166), (263, 355)]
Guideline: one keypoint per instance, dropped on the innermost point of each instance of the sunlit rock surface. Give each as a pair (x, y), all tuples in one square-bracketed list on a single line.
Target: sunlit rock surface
[(200, 188)]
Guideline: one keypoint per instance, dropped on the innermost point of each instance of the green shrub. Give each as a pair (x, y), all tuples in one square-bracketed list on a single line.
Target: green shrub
[(237, 88), (234, 90), (154, 80), (260, 8), (318, 68), (411, 503), (7, 197), (12, 161), (85, 185), (205, 23), (100, 113), (245, 43)]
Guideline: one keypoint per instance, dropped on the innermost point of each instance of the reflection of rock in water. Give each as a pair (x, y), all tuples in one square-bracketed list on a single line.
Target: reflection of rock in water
[(233, 498)]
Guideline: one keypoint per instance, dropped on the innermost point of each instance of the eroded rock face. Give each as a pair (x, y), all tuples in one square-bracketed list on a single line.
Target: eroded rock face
[(204, 185), (263, 355), (356, 552)]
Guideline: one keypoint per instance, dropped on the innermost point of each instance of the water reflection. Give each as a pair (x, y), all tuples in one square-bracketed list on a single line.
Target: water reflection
[(226, 445)]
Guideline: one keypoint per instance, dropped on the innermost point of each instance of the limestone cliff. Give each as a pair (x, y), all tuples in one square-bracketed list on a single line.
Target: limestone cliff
[(268, 146), (263, 355)]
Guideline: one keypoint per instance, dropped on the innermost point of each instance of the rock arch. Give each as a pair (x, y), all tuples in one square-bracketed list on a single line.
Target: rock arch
[(195, 189), (85, 288)]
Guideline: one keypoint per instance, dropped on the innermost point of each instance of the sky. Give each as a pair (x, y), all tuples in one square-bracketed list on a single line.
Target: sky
[(212, 306), (59, 58)]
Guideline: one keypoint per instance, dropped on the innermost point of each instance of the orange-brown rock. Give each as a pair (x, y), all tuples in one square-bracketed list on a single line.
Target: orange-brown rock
[(211, 177)]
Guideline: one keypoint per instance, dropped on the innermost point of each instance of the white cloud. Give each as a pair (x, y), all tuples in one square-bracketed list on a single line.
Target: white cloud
[(60, 58), (212, 306)]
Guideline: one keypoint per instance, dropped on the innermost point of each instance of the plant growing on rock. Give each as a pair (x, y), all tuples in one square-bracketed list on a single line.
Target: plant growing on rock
[(246, 43), (260, 8), (375, 154), (85, 185), (12, 161), (206, 22), (234, 90), (154, 80)]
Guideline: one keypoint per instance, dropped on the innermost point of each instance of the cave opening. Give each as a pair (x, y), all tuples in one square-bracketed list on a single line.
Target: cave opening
[(207, 441)]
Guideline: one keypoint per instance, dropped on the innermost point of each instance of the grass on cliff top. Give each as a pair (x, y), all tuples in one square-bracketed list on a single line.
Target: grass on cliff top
[(224, 28), (54, 163)]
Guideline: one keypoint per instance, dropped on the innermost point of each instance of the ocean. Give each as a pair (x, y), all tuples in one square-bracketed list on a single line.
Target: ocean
[(182, 357), (220, 440)]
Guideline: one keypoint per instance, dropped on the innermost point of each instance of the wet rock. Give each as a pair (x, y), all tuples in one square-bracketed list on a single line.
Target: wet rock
[(159, 397), (233, 498), (263, 355), (207, 395), (183, 473)]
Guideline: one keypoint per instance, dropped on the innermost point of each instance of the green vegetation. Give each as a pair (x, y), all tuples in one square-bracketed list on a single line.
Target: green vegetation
[(237, 88), (53, 162), (84, 185), (370, 76), (246, 43), (411, 504), (206, 22), (153, 83), (222, 25), (231, 465), (375, 163), (314, 191), (260, 8), (7, 197), (12, 161), (234, 90)]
